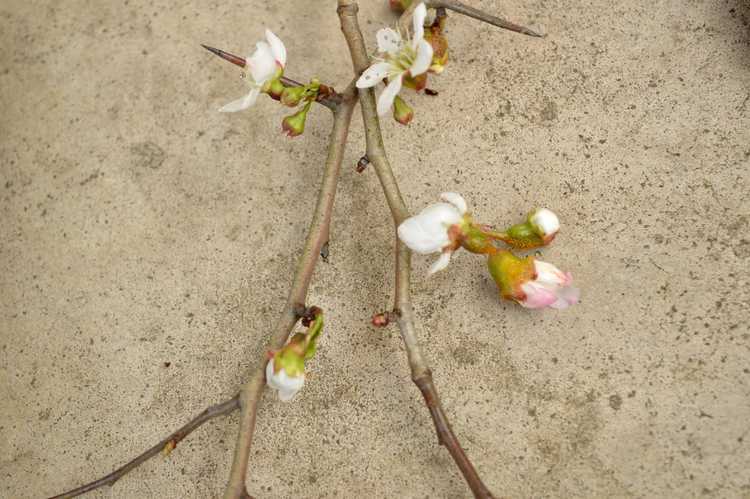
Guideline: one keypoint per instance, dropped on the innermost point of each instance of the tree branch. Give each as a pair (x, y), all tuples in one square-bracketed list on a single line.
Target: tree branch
[(168, 443), (317, 236), (420, 371), (462, 8)]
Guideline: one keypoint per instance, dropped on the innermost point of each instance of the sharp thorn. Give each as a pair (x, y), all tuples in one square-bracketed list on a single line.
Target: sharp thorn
[(234, 59)]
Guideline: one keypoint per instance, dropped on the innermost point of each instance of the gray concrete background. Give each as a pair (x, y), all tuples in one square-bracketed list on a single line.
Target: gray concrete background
[(139, 227)]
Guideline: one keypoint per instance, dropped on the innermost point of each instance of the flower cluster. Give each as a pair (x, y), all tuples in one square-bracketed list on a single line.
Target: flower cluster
[(404, 62), (447, 226), (264, 74)]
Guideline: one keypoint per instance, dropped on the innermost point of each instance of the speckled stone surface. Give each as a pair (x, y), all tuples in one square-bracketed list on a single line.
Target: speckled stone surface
[(147, 244)]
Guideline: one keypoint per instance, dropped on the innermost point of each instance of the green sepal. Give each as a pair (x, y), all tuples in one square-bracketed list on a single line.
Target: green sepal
[(312, 335), (509, 272)]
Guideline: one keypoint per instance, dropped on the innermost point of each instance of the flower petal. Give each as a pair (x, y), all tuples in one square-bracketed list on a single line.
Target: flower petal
[(440, 263), (456, 200), (373, 75), (418, 24), (277, 47), (241, 104), (423, 60), (385, 101), (566, 297), (388, 40), (546, 273), (262, 64), (537, 296)]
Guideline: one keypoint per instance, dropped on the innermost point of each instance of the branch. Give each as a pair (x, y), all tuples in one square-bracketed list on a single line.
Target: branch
[(462, 8), (167, 445), (317, 236), (420, 371)]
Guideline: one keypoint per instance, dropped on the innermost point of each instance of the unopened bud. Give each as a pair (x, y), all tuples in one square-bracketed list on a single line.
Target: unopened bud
[(402, 112), (439, 49), (294, 124), (291, 96), (381, 319), (274, 88)]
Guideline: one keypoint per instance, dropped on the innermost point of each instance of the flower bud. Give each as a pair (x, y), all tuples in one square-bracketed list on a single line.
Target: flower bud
[(402, 112), (531, 283), (274, 88), (294, 124), (291, 96), (539, 229)]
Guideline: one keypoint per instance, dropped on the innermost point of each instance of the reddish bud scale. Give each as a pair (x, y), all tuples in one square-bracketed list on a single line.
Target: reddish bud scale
[(381, 319)]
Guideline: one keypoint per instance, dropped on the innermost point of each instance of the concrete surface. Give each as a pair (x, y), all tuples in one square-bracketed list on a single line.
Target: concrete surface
[(140, 227)]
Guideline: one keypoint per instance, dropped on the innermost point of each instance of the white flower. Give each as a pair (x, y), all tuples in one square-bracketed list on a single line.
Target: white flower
[(399, 58), (262, 65), (551, 288), (286, 385), (546, 223), (429, 231)]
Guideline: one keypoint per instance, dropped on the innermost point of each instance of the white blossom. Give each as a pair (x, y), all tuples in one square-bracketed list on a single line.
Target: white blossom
[(429, 231), (399, 57), (269, 57)]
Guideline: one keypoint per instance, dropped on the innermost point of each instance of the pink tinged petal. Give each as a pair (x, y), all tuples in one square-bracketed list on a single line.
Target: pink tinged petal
[(241, 104), (385, 101), (418, 25), (388, 40), (537, 296), (456, 200), (373, 75), (277, 47), (440, 263), (423, 60), (566, 297), (547, 273), (262, 64)]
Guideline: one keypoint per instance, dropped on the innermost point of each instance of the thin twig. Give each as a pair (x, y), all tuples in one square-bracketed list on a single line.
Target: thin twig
[(317, 236), (168, 443), (462, 8), (420, 371)]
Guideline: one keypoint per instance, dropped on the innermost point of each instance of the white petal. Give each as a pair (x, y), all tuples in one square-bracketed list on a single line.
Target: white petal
[(277, 47), (418, 24), (388, 40), (419, 239), (440, 263), (546, 221), (456, 200), (373, 75), (262, 64), (241, 104), (385, 101), (548, 274), (423, 60)]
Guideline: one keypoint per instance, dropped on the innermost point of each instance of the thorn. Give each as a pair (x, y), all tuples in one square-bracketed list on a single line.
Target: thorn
[(234, 59)]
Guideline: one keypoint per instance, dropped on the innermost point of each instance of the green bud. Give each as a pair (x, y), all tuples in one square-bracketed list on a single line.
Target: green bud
[(274, 88), (291, 96), (294, 124), (402, 112)]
